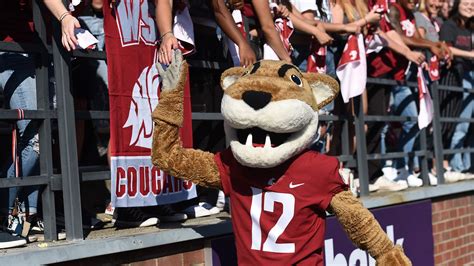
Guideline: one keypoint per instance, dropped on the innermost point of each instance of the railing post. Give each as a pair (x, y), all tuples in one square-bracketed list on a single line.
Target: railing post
[(437, 137), (345, 141), (42, 97), (67, 138), (424, 158), (363, 168)]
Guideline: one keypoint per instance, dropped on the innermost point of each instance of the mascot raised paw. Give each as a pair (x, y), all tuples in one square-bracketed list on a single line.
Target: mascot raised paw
[(279, 189)]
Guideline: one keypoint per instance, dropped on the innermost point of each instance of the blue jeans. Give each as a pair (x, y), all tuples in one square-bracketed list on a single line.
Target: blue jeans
[(17, 81), (404, 104), (462, 161), (99, 100), (96, 26)]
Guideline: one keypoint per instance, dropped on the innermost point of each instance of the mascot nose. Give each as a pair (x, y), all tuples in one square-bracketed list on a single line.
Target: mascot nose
[(256, 99)]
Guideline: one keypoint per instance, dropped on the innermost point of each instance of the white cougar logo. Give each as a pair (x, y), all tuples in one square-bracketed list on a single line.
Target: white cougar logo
[(144, 100)]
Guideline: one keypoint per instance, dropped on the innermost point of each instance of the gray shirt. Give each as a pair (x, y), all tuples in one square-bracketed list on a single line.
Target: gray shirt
[(431, 32)]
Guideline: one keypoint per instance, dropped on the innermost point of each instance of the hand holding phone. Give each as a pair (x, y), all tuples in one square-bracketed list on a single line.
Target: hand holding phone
[(85, 39)]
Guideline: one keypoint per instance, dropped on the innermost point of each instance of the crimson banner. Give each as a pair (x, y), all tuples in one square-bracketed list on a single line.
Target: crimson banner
[(134, 87)]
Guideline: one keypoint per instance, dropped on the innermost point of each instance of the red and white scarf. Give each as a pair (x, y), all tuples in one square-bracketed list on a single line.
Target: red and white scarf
[(352, 68)]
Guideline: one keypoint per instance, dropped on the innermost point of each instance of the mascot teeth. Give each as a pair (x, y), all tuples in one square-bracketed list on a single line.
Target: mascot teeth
[(249, 141), (268, 142)]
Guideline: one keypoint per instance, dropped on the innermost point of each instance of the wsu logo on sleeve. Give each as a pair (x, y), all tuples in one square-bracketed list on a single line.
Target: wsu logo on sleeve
[(144, 100), (408, 27)]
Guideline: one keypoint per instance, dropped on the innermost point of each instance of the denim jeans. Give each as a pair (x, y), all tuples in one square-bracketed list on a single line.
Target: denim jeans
[(100, 98), (96, 27), (404, 104), (462, 161), (17, 81)]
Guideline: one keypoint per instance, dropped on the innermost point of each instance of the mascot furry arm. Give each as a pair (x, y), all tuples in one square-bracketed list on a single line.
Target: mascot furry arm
[(201, 168)]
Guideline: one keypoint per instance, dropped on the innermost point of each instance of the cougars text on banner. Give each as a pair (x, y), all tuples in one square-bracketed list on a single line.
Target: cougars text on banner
[(131, 46)]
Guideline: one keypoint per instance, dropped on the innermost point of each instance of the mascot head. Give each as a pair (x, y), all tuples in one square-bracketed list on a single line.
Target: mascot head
[(270, 110)]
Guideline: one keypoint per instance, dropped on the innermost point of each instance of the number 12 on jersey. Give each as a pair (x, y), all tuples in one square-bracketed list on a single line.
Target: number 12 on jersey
[(268, 199)]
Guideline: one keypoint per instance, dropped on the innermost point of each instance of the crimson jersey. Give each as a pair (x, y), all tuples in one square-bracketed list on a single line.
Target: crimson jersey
[(279, 213)]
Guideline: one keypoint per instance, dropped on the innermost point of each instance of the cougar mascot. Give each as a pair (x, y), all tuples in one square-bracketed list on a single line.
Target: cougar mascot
[(279, 189)]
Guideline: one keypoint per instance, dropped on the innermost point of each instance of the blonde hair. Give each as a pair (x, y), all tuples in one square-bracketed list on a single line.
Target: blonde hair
[(355, 11), (422, 7)]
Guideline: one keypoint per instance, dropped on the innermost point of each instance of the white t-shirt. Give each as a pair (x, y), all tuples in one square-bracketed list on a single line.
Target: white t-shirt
[(305, 5), (310, 5)]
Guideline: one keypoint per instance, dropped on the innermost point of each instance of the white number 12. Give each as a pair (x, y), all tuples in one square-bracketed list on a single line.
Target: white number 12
[(288, 212)]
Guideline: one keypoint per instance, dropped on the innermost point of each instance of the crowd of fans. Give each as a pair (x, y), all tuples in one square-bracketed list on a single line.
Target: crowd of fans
[(435, 35)]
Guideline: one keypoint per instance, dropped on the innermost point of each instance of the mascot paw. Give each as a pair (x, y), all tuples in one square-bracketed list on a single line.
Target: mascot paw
[(174, 72), (394, 257)]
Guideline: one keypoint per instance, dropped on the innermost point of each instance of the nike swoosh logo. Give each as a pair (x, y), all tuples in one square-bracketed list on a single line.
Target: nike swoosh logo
[(295, 185)]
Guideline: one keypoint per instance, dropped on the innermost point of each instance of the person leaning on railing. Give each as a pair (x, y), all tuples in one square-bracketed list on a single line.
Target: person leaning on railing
[(351, 13), (457, 33), (429, 26), (390, 62), (18, 84), (402, 20)]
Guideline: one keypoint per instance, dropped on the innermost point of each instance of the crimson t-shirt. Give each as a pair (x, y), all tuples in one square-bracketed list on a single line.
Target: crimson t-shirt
[(279, 213)]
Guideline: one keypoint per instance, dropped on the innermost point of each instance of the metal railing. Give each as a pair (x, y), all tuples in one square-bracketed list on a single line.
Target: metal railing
[(71, 175)]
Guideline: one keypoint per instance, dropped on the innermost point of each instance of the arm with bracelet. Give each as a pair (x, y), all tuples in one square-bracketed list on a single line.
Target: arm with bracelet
[(164, 22), (68, 23)]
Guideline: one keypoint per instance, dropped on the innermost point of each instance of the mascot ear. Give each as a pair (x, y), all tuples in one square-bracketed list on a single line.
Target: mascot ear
[(230, 76), (324, 88)]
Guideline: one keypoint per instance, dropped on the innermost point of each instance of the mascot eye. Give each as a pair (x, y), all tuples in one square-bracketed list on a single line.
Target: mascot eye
[(296, 80)]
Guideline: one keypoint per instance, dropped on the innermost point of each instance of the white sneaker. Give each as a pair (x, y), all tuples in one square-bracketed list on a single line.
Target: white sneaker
[(212, 209), (390, 172), (414, 181), (61, 235), (196, 211), (348, 178), (433, 179), (372, 187), (385, 184), (220, 204), (346, 175), (451, 176), (469, 175)]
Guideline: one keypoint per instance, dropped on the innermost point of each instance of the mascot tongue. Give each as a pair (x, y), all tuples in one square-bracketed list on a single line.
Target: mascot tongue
[(256, 145), (258, 137)]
